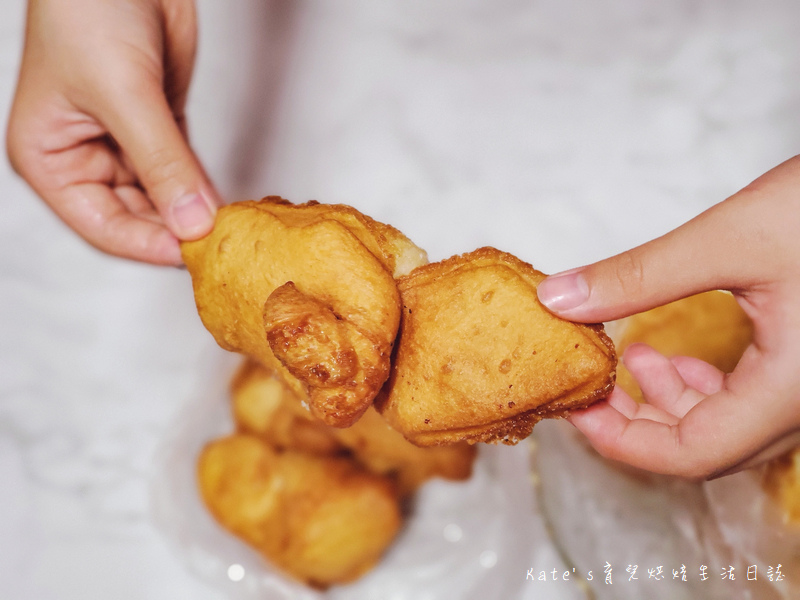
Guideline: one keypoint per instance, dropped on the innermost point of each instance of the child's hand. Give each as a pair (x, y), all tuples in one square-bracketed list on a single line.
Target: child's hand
[(97, 125), (699, 422)]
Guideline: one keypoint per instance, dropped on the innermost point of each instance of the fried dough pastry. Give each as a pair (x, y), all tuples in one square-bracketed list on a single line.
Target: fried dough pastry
[(322, 520), (710, 326), (262, 405), (480, 359), (307, 290), (395, 251), (383, 450)]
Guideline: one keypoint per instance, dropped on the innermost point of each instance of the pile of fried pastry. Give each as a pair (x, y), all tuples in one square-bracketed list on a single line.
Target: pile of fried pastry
[(368, 371), (319, 502)]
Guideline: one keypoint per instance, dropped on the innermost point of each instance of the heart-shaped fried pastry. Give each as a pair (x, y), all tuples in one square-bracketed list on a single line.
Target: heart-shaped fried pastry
[(480, 359)]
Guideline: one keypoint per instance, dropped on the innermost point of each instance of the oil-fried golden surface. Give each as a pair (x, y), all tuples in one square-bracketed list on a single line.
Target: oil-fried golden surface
[(332, 356), (710, 326), (341, 264), (480, 359), (395, 251), (263, 406), (382, 449), (322, 520)]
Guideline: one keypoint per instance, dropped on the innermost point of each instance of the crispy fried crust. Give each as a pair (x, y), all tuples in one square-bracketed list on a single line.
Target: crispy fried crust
[(339, 362), (383, 450), (322, 520), (397, 253), (480, 359), (263, 406), (341, 265)]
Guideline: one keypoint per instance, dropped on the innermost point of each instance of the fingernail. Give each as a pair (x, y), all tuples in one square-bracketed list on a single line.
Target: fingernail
[(192, 214), (563, 291)]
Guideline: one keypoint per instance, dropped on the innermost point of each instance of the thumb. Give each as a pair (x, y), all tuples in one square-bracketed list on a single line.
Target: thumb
[(715, 250), (147, 131)]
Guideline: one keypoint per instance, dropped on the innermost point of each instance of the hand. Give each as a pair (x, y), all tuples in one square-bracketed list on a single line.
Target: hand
[(97, 125), (699, 422)]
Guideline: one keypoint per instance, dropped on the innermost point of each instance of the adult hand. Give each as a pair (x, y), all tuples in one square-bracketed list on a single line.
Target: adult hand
[(698, 422), (97, 126)]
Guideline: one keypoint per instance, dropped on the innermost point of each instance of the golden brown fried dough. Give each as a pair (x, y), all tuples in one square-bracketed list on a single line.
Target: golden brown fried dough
[(480, 359), (383, 450), (395, 251), (322, 520), (331, 355), (329, 333), (709, 326), (263, 406)]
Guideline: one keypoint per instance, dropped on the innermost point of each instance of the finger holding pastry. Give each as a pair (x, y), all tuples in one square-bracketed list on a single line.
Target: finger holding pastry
[(710, 327), (724, 424), (98, 126)]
